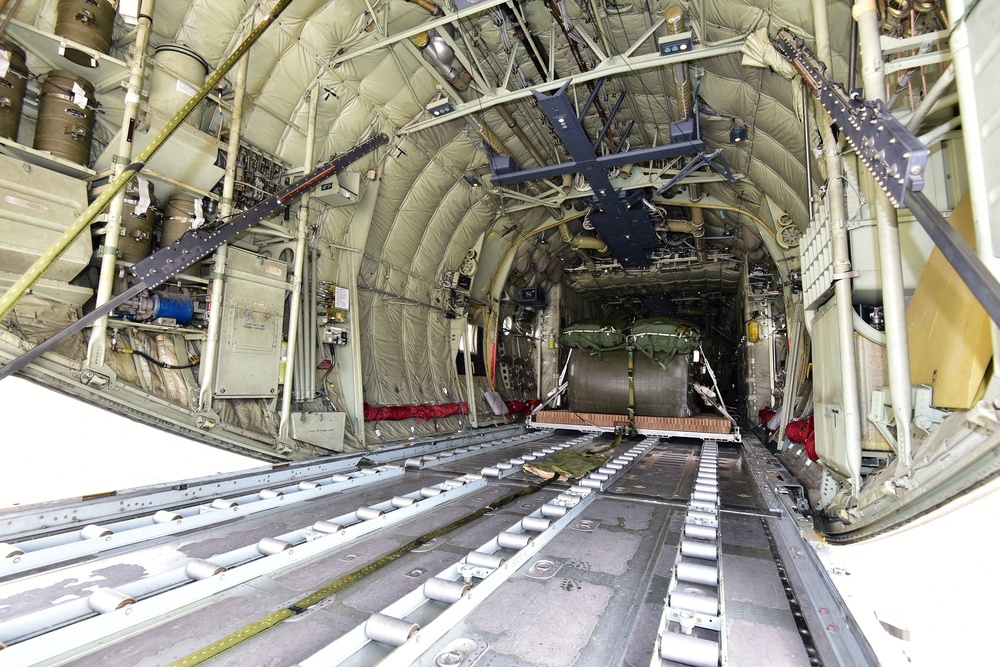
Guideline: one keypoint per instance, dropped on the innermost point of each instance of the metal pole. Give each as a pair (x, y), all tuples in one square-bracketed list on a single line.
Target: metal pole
[(297, 274), (97, 346), (209, 361), (311, 323), (841, 267), (35, 271), (893, 299)]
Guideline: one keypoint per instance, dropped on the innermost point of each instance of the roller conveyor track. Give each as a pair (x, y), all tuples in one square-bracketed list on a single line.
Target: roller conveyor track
[(593, 594)]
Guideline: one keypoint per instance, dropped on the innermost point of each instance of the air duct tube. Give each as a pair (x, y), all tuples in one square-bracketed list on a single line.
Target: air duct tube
[(438, 53), (682, 84)]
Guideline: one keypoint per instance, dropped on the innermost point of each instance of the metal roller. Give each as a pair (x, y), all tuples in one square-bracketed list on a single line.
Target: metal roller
[(689, 650), (599, 476), (705, 497), (504, 465), (706, 488), (704, 478), (535, 524), (270, 546), (701, 506), (592, 484), (367, 471), (701, 533), (580, 490), (430, 491), (701, 516), (529, 457), (340, 478), (445, 590), (8, 550), (516, 541), (402, 501), (539, 454), (369, 513), (621, 461), (491, 471), (462, 450), (481, 559), (568, 498), (392, 466), (223, 504), (549, 450), (696, 573), (202, 569), (327, 527), (389, 630), (701, 604), (93, 531), (166, 516), (517, 462), (267, 494), (307, 486), (445, 455), (106, 600), (699, 549), (454, 483), (554, 511)]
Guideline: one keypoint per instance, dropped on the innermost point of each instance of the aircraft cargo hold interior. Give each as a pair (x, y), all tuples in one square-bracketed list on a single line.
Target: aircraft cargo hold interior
[(498, 332)]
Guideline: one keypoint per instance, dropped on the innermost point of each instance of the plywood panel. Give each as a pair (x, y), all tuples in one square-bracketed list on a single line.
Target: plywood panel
[(949, 330)]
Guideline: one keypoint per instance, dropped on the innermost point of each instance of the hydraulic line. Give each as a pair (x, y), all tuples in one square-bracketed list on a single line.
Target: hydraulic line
[(155, 361), (275, 618), (31, 276)]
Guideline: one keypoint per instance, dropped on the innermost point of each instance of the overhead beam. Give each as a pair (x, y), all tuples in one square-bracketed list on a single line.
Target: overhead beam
[(609, 67)]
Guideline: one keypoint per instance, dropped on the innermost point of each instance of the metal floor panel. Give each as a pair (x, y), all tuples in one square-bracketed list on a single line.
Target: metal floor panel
[(592, 597)]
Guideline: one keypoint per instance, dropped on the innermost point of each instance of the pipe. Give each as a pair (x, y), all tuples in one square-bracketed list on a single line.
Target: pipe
[(893, 299), (808, 148), (313, 322), (931, 98), (428, 5), (933, 136), (210, 349), (526, 142), (841, 251), (297, 273), (567, 184), (698, 232), (682, 84), (35, 271), (97, 345), (852, 61), (10, 15), (438, 53)]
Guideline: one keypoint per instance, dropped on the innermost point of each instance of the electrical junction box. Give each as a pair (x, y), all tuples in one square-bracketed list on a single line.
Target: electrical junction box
[(333, 335), (440, 108), (674, 44), (339, 190), (530, 297), (253, 307)]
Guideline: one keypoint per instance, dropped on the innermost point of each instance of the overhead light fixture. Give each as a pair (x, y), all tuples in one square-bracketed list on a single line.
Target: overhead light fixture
[(473, 181), (440, 107), (737, 132)]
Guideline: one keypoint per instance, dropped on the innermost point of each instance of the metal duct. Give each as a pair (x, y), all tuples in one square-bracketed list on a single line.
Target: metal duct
[(682, 84), (438, 53)]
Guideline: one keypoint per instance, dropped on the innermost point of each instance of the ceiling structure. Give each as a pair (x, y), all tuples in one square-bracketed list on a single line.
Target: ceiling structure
[(364, 59), (383, 66)]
